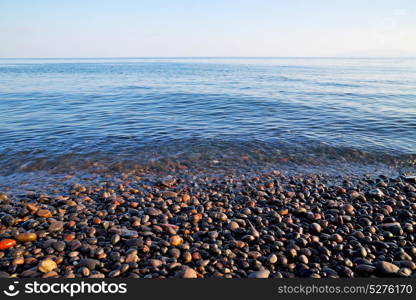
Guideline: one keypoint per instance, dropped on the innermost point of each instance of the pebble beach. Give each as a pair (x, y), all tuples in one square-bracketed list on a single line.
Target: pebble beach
[(207, 167), (269, 225)]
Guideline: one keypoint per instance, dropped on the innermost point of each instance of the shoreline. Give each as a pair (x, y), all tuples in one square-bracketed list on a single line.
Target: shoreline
[(234, 226)]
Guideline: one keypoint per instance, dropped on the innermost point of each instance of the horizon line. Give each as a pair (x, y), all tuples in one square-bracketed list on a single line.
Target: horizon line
[(209, 57)]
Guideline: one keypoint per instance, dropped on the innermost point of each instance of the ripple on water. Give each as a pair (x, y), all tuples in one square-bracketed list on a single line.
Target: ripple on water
[(82, 113)]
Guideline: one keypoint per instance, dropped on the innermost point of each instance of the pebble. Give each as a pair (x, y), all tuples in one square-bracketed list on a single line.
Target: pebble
[(176, 240), (7, 243), (18, 261), (3, 198), (361, 252), (272, 259), (348, 208), (386, 268), (59, 246), (168, 181), (85, 271), (365, 268), (337, 238), (376, 193), (56, 226), (393, 227), (187, 272), (8, 220), (44, 213), (89, 263), (4, 274), (303, 259), (186, 198), (260, 274), (233, 226), (132, 258), (153, 212), (408, 264), (315, 227), (169, 194), (47, 265), (115, 239), (410, 178), (26, 237)]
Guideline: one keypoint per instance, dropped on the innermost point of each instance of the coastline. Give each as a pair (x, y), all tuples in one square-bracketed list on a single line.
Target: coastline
[(87, 145)]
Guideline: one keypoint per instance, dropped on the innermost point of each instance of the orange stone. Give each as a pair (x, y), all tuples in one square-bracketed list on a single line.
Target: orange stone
[(196, 218), (196, 256), (3, 197), (187, 257), (71, 223), (47, 265), (186, 198), (284, 212), (59, 260), (7, 243), (176, 240), (18, 261), (32, 207), (26, 237), (348, 208), (97, 221), (317, 216), (71, 203), (44, 213), (238, 244), (69, 237), (342, 191), (251, 204)]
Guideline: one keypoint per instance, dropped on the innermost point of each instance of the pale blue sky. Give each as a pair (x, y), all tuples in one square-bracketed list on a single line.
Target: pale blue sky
[(127, 28)]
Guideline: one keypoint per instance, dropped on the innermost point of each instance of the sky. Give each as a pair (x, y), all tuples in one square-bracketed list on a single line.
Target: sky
[(186, 28)]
